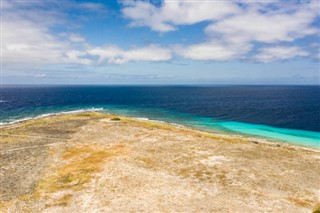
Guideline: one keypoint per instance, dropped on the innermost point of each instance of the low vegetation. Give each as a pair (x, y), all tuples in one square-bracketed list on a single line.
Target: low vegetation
[(82, 163), (316, 209)]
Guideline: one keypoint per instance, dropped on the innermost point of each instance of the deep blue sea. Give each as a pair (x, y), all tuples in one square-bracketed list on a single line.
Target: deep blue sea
[(286, 113)]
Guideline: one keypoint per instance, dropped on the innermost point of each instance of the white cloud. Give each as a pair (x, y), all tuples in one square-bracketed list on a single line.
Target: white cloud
[(27, 39), (76, 38), (234, 26), (213, 51), (115, 55), (269, 54), (77, 57), (94, 7), (23, 42), (178, 12), (26, 43), (264, 27)]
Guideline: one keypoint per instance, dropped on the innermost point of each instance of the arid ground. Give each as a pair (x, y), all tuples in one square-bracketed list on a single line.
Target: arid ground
[(94, 162)]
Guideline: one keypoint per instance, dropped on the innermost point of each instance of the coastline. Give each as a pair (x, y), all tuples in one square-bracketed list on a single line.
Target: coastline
[(95, 161), (254, 139), (50, 114)]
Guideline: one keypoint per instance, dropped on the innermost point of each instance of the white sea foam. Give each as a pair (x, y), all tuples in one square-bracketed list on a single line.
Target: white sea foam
[(50, 114), (142, 119), (159, 121)]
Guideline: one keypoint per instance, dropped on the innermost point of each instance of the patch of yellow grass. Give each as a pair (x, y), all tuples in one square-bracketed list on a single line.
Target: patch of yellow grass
[(150, 124), (9, 135), (149, 162), (90, 114), (65, 200), (316, 209), (128, 120), (299, 202), (222, 137), (11, 139), (82, 163), (4, 206), (147, 124)]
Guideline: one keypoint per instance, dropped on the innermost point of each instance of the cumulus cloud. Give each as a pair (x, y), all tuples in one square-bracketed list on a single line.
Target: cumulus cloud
[(269, 54), (28, 41), (269, 27), (179, 12), (28, 38), (77, 57), (234, 27), (115, 55), (213, 51)]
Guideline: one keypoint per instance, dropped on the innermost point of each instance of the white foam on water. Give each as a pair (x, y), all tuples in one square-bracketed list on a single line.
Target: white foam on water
[(51, 114), (142, 119)]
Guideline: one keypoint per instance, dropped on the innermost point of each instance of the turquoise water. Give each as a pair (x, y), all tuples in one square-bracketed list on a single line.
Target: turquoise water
[(298, 137)]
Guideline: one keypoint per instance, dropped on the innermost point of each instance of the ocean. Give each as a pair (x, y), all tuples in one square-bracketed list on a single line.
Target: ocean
[(284, 113)]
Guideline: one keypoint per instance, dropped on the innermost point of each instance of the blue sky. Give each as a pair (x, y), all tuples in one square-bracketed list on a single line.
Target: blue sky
[(160, 42)]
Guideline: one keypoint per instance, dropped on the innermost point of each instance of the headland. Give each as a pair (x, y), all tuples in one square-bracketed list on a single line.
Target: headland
[(93, 161)]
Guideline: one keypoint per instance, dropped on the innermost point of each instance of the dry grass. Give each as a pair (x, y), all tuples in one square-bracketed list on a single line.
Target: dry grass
[(82, 163), (79, 165), (316, 209), (157, 125), (12, 138), (65, 200), (4, 206), (150, 124), (171, 127), (148, 162), (300, 202)]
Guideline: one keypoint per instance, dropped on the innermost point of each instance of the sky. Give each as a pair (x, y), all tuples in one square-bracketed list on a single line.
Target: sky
[(160, 42)]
